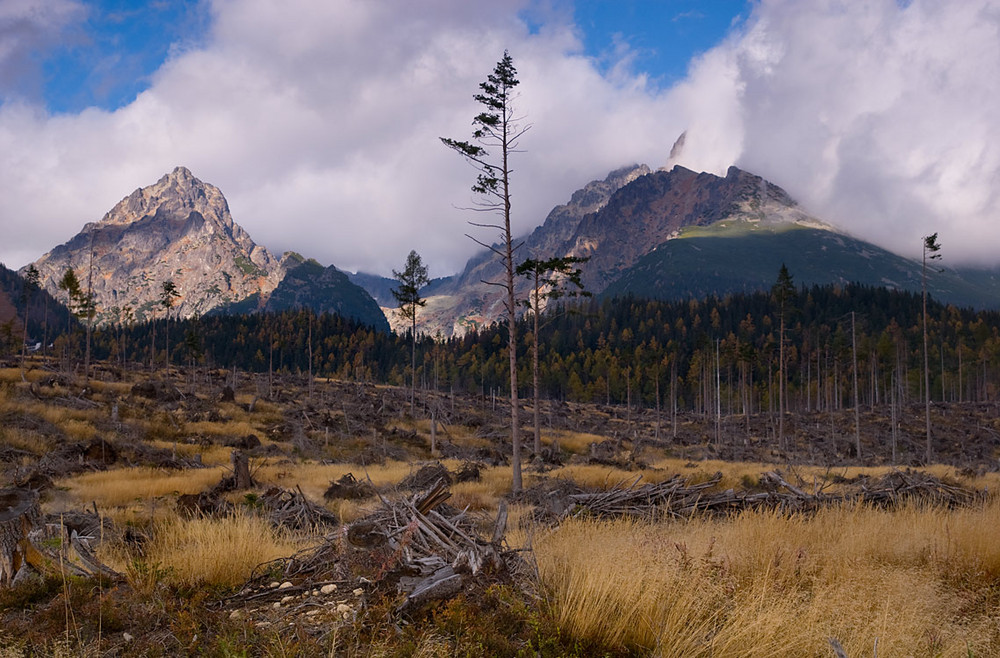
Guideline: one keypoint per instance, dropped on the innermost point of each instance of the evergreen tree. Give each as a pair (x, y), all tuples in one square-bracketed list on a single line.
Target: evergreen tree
[(783, 293), (931, 247), (168, 294), (497, 127), (559, 278), (30, 285), (411, 280)]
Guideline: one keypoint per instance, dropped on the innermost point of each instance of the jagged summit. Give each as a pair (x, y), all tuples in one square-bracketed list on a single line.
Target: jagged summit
[(178, 229)]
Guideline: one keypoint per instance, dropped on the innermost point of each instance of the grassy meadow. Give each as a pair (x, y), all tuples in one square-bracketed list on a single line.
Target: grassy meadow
[(913, 580)]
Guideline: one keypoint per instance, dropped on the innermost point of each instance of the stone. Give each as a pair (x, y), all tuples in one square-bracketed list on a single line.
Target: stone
[(326, 590)]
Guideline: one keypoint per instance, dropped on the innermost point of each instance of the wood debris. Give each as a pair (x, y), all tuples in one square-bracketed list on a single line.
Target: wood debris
[(419, 547), (675, 497)]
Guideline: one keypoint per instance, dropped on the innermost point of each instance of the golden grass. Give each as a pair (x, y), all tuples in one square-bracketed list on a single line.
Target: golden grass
[(225, 428), (79, 429), (201, 551), (13, 375), (211, 455), (314, 479), (575, 442), (127, 485), (765, 583), (22, 439), (56, 415)]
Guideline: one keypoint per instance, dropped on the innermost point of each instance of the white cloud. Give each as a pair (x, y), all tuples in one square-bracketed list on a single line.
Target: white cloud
[(320, 123), (28, 27), (879, 116)]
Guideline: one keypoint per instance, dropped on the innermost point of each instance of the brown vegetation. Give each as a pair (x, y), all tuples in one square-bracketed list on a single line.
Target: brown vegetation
[(353, 538)]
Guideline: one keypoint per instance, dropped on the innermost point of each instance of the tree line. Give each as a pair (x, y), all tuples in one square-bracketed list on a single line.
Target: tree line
[(697, 354)]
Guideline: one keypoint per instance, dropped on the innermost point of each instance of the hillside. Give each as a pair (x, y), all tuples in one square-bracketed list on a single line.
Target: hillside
[(308, 285), (738, 256)]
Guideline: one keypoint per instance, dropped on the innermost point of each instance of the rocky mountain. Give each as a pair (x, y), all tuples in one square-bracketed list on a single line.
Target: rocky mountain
[(679, 234), (654, 209), (614, 223), (180, 230), (459, 303)]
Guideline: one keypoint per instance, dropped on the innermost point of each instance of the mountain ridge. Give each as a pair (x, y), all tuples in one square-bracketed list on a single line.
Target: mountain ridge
[(180, 229)]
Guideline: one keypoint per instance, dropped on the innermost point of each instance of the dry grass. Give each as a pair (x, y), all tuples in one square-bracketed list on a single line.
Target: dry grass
[(215, 552), (128, 485), (225, 428), (22, 439), (574, 442), (769, 584), (56, 415), (211, 455)]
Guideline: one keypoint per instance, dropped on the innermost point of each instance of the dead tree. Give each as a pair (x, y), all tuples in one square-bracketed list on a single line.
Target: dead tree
[(19, 514), (241, 470)]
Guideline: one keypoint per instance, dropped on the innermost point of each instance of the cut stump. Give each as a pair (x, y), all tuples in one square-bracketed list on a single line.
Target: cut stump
[(19, 514)]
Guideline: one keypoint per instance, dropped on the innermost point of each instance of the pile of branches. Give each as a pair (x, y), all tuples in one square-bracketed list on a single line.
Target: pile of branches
[(418, 546), (292, 510), (896, 487), (674, 497)]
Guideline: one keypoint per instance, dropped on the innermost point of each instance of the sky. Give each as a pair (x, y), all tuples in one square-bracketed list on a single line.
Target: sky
[(319, 119)]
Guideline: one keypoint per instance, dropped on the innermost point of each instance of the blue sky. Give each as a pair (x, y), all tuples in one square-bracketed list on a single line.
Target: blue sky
[(110, 57), (319, 119), (664, 34)]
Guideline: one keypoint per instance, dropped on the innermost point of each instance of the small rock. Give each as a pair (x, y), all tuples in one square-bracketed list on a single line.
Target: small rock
[(326, 590), (274, 585), (127, 637), (262, 624), (359, 592), (285, 585), (344, 609), (315, 592), (286, 599), (236, 614), (312, 613), (276, 605)]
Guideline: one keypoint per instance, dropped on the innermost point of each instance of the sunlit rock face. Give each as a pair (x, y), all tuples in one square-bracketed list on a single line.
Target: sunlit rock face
[(178, 230), (613, 222)]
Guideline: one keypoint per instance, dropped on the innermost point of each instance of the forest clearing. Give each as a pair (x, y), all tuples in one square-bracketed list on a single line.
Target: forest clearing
[(364, 530)]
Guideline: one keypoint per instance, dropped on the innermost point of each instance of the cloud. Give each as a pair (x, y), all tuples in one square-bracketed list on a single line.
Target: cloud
[(320, 123), (27, 28), (880, 116)]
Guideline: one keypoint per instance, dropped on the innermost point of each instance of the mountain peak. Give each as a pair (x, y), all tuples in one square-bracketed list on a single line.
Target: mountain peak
[(179, 174), (177, 229)]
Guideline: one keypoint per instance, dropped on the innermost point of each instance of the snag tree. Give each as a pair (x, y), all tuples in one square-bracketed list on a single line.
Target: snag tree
[(494, 139)]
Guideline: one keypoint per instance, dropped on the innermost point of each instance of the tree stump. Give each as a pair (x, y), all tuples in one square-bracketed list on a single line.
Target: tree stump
[(241, 470), (19, 514)]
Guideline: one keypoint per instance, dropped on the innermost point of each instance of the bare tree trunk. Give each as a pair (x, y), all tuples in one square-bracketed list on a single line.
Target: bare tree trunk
[(241, 470), (19, 513), (534, 370), (781, 383), (857, 417)]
